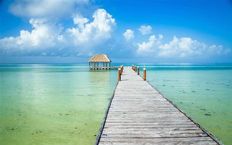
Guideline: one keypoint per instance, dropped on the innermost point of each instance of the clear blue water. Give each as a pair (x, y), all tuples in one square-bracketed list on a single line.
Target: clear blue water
[(65, 103), (52, 104), (203, 92)]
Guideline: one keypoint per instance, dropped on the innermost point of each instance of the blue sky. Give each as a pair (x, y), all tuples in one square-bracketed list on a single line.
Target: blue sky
[(162, 31)]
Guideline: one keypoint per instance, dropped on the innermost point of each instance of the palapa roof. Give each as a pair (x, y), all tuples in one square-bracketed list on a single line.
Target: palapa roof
[(99, 58)]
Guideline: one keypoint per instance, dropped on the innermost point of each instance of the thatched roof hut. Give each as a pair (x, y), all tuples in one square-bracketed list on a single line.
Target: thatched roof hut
[(99, 58), (99, 61)]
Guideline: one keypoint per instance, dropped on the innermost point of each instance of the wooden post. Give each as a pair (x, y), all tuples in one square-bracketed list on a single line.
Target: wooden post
[(121, 69), (119, 74), (138, 70), (144, 74), (134, 68)]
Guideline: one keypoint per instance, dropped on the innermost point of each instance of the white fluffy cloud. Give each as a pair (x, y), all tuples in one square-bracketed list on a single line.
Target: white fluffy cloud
[(148, 47), (128, 34), (182, 47), (93, 32), (45, 35), (79, 20), (178, 47), (42, 35), (45, 8), (145, 29)]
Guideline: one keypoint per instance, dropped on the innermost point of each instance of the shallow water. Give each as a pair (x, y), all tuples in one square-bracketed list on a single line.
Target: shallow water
[(52, 104), (204, 93), (65, 104)]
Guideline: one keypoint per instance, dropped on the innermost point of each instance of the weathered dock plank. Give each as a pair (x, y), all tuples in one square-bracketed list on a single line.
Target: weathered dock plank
[(140, 115)]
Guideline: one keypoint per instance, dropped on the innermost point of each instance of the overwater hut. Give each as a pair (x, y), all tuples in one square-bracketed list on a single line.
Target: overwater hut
[(99, 61)]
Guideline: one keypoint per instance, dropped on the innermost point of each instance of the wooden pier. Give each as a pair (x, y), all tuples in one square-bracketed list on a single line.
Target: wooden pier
[(139, 115)]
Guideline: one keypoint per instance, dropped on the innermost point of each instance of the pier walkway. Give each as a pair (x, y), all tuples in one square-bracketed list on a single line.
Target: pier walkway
[(140, 115)]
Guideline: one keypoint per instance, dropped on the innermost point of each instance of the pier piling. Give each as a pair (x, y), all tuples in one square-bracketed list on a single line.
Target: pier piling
[(138, 70), (144, 74), (119, 74)]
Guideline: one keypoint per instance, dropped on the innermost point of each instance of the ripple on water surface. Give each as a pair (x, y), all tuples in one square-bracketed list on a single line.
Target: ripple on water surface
[(52, 104), (203, 93)]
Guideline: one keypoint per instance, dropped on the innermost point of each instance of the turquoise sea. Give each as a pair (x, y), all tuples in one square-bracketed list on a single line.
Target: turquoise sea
[(204, 93), (52, 104), (60, 104)]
